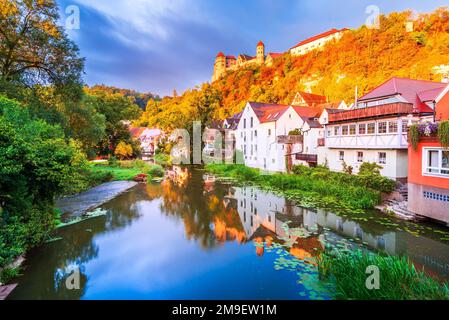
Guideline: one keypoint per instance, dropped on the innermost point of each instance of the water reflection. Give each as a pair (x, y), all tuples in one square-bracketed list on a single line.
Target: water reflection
[(193, 237)]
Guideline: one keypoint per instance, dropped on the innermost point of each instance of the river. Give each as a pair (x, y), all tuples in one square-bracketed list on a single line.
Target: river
[(195, 237)]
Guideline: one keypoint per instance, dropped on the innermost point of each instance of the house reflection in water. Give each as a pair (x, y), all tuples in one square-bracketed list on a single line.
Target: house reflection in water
[(264, 216)]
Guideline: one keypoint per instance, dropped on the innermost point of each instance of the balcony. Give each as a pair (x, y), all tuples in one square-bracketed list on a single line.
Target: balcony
[(310, 158), (290, 139), (390, 109)]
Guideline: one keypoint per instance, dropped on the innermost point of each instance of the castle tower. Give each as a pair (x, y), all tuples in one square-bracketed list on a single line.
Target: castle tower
[(219, 67), (260, 53)]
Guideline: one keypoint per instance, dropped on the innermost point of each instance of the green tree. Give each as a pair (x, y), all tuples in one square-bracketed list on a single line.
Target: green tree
[(33, 47)]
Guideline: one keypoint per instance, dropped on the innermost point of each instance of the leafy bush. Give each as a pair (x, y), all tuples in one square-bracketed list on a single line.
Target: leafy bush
[(156, 171), (369, 168), (319, 185), (443, 133), (37, 164)]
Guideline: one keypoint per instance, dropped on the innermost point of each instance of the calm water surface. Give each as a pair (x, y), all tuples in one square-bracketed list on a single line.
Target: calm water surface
[(193, 237)]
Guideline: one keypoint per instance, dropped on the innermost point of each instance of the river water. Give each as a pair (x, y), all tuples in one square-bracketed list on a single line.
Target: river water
[(195, 237)]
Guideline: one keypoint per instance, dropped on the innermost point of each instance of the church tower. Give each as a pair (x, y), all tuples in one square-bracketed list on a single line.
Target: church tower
[(219, 67), (260, 53)]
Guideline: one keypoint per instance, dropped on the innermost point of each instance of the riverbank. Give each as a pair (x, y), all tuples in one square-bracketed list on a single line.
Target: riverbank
[(79, 204), (315, 187), (101, 172)]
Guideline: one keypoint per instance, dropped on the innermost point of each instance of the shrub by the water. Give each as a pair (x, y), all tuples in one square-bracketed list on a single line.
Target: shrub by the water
[(37, 164), (399, 279), (318, 185)]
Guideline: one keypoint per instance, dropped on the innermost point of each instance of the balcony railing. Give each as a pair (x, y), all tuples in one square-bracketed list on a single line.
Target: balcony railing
[(290, 139), (311, 158), (399, 108)]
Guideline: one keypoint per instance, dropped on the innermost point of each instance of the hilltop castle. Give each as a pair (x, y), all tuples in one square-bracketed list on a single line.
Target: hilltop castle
[(224, 63)]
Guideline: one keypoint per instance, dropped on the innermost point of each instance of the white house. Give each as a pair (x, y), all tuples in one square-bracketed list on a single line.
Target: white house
[(316, 42), (263, 134), (376, 129)]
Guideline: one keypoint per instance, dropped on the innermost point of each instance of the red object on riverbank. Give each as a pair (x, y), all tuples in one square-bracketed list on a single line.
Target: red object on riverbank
[(141, 178)]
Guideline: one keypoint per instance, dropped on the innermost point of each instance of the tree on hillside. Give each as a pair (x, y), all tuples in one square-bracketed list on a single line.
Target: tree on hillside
[(116, 108), (33, 48)]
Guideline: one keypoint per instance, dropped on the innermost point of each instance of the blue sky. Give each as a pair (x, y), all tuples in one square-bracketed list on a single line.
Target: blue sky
[(160, 45)]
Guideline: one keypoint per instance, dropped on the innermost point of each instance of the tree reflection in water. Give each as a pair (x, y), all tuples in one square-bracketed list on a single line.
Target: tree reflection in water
[(213, 214)]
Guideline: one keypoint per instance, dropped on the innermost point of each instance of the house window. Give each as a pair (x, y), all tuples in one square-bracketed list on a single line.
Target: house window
[(393, 127), (371, 128), (404, 126), (244, 123), (341, 156), (352, 129), (382, 127), (362, 128), (359, 156), (382, 158), (255, 133), (329, 132), (336, 131), (252, 122), (345, 130), (437, 162), (269, 132)]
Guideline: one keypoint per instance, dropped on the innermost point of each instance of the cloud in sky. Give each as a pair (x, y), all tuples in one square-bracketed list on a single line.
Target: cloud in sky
[(161, 45)]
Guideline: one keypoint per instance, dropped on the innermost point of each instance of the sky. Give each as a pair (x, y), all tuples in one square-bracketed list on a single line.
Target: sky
[(161, 45)]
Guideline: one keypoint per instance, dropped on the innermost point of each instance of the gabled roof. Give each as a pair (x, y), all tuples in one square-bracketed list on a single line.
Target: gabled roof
[(233, 121), (230, 57), (216, 124), (136, 132), (319, 36), (246, 57), (268, 112), (412, 91), (309, 99), (308, 112), (274, 54), (330, 105)]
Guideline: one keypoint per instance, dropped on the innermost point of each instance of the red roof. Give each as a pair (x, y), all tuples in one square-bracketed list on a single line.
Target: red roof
[(260, 44), (312, 99), (220, 54), (268, 112), (275, 55), (308, 112), (416, 92), (230, 57), (319, 36), (136, 132)]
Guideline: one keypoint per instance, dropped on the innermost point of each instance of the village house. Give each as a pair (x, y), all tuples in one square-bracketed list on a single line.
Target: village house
[(272, 137), (317, 42), (428, 172), (148, 139), (375, 130)]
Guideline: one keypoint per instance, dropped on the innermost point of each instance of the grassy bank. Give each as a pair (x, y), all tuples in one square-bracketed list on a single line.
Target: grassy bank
[(121, 171), (314, 187), (398, 278)]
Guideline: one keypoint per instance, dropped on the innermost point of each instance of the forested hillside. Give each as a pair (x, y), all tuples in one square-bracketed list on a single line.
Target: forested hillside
[(363, 57)]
